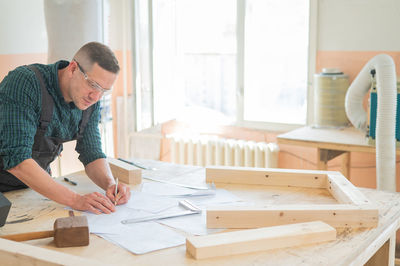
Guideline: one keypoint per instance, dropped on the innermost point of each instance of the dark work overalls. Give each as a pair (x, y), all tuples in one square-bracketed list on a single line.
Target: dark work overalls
[(44, 149)]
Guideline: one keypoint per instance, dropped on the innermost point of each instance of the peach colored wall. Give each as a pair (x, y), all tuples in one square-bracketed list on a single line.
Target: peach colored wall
[(11, 61), (351, 62)]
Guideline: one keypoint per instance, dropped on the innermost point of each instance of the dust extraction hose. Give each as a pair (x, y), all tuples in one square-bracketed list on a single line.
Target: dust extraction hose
[(386, 115)]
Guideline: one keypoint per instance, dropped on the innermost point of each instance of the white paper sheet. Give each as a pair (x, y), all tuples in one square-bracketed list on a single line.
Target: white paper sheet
[(141, 238), (221, 196), (138, 238), (150, 202), (192, 224), (164, 189), (144, 237), (180, 176)]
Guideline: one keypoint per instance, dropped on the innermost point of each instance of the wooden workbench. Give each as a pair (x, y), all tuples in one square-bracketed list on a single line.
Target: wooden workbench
[(31, 212), (330, 143)]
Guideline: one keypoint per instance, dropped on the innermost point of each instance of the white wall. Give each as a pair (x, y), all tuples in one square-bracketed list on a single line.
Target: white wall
[(22, 27), (358, 25)]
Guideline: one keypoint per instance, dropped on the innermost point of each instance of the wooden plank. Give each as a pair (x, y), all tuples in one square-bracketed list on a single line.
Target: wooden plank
[(266, 176), (344, 191), (336, 215), (346, 164), (16, 253), (125, 172), (252, 240)]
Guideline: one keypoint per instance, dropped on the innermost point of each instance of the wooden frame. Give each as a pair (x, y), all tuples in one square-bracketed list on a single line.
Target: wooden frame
[(353, 210)]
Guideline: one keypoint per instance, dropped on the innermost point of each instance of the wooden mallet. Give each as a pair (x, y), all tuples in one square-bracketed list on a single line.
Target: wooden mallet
[(72, 231)]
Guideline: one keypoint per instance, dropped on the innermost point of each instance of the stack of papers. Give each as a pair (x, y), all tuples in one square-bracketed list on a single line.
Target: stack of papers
[(161, 199)]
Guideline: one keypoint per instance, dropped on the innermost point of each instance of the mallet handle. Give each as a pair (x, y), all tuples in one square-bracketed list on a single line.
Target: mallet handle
[(29, 236)]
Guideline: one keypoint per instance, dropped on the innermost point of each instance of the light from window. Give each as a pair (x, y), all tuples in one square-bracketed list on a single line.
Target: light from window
[(275, 55), (194, 60)]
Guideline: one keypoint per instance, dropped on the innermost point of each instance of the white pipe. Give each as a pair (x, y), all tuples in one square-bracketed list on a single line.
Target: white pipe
[(386, 115)]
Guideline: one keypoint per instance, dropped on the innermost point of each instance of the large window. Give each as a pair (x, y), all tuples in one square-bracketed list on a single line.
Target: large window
[(227, 61)]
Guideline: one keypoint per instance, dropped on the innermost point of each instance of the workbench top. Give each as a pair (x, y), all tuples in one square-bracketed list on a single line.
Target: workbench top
[(32, 212)]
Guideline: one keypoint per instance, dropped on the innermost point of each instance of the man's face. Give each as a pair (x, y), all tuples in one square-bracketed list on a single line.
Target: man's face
[(88, 87)]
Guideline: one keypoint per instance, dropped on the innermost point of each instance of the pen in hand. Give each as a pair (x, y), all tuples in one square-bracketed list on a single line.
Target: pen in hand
[(116, 191)]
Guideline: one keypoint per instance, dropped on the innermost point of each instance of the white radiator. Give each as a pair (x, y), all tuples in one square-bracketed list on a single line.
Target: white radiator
[(211, 150)]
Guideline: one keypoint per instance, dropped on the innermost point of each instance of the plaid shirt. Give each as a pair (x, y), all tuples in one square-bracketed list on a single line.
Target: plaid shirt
[(20, 109)]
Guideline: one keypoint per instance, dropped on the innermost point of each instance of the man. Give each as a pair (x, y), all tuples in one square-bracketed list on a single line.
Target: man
[(42, 106)]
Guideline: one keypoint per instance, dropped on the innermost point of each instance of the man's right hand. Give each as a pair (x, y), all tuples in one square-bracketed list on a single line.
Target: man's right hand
[(39, 180), (94, 202)]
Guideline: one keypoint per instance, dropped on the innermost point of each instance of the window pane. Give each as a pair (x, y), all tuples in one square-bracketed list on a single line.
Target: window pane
[(276, 47), (144, 92), (194, 59)]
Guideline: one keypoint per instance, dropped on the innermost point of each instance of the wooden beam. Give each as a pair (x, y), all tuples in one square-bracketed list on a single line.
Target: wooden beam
[(346, 164), (245, 241), (16, 253), (344, 191), (336, 215), (267, 176), (125, 172), (354, 210)]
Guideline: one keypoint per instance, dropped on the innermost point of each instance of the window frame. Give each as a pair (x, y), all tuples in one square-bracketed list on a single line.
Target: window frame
[(146, 76)]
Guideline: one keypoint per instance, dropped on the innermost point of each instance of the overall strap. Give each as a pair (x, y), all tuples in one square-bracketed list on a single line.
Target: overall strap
[(47, 103), (85, 119)]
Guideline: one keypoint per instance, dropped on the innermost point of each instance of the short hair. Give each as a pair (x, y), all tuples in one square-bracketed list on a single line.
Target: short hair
[(95, 52)]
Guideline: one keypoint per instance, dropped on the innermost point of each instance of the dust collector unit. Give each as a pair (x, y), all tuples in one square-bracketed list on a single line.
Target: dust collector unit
[(330, 89)]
